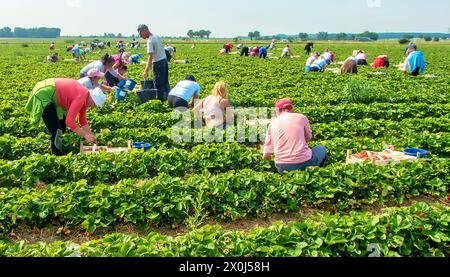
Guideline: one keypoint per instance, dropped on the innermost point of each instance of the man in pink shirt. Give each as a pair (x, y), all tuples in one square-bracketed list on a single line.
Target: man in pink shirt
[(288, 138)]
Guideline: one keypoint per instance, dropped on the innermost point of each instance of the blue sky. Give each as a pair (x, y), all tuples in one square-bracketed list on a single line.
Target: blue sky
[(228, 18)]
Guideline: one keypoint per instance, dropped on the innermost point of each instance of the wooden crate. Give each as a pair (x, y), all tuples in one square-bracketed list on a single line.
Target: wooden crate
[(395, 157), (90, 150)]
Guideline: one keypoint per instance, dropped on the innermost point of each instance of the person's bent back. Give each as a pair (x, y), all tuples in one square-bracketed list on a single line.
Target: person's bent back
[(287, 139)]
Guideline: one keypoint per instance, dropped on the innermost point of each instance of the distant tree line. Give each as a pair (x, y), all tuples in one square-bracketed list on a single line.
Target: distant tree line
[(199, 34), (41, 32), (111, 35)]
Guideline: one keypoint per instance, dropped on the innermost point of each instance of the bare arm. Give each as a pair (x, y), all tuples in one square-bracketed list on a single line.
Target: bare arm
[(148, 67)]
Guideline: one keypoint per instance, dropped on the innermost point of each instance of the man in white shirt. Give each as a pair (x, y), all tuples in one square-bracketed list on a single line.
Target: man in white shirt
[(158, 59), (286, 52)]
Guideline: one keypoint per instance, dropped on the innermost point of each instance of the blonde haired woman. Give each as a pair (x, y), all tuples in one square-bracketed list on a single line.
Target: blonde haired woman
[(216, 108)]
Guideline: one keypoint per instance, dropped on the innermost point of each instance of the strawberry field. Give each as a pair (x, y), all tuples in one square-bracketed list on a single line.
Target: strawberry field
[(220, 199)]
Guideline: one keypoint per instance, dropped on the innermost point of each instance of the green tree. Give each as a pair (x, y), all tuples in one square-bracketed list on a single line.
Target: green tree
[(428, 38), (251, 35), (371, 35), (436, 39), (6, 32), (190, 34), (322, 36), (341, 36), (257, 35), (303, 36), (208, 34)]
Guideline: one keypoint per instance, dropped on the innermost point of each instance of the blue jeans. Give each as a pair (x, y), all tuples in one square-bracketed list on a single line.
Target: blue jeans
[(307, 68), (319, 155)]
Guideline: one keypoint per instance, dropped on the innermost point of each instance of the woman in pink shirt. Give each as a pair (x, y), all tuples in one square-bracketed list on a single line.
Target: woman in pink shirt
[(287, 139), (60, 102)]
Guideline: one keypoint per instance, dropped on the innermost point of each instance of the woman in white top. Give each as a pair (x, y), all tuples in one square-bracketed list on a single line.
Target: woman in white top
[(106, 64), (216, 108)]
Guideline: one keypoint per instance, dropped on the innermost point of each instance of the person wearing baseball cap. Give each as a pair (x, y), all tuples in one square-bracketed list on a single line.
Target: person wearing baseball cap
[(59, 103), (287, 139), (157, 60)]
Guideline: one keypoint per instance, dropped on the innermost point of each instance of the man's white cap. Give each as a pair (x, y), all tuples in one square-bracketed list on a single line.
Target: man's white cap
[(98, 96)]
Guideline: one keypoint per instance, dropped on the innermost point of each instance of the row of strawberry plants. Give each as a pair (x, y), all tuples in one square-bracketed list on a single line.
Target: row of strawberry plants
[(107, 167), (420, 230), (433, 136), (438, 144), (143, 118), (166, 200)]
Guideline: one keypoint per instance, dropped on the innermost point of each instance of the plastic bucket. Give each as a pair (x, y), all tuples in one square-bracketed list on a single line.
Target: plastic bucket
[(142, 145), (130, 84), (415, 151), (146, 95), (122, 84), (149, 84), (121, 94)]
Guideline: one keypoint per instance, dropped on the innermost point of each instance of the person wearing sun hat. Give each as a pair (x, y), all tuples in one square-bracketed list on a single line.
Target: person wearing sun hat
[(287, 139), (59, 103), (92, 79)]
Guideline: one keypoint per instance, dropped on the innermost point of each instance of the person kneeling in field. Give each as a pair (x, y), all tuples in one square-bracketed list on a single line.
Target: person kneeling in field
[(53, 58), (381, 61), (262, 52), (319, 65), (310, 60), (216, 108), (184, 92), (245, 51), (59, 102), (415, 62), (328, 56), (350, 66), (287, 139), (361, 58), (287, 52)]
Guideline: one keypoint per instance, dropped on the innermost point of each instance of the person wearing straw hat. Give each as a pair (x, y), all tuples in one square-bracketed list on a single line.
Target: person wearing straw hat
[(59, 103), (287, 139), (158, 59)]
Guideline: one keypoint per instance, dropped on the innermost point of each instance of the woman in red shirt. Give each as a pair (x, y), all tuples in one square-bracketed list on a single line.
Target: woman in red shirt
[(60, 102), (381, 61)]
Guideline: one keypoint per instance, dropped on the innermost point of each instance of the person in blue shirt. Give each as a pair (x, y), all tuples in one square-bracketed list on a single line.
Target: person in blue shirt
[(415, 63), (135, 59), (319, 65), (183, 93), (263, 52)]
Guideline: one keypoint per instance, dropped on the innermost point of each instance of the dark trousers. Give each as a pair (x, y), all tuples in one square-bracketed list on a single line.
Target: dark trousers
[(168, 55), (263, 55), (177, 102), (415, 72), (362, 62), (53, 124), (245, 51), (111, 80), (161, 78)]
